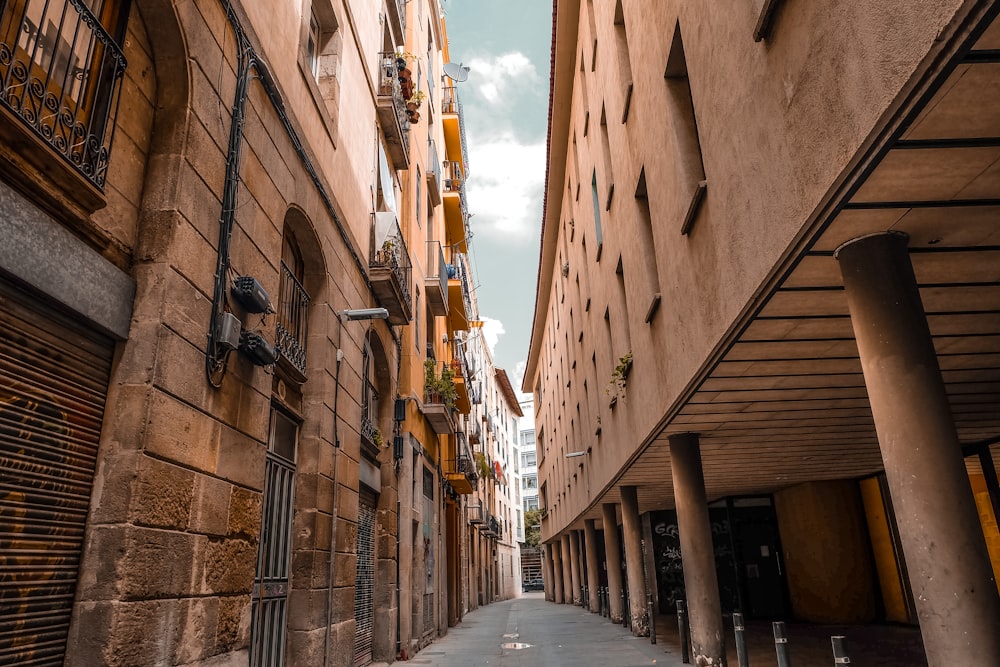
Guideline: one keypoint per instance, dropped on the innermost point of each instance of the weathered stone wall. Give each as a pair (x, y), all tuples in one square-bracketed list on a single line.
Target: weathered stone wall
[(172, 542)]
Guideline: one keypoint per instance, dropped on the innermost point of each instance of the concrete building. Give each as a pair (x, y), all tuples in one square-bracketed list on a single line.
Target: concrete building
[(767, 324), (529, 458), (230, 247)]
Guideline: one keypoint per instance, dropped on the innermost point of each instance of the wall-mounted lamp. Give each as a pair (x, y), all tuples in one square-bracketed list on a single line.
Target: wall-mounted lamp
[(364, 314)]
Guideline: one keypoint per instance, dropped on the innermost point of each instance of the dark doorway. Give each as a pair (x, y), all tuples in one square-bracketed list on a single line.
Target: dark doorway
[(761, 570)]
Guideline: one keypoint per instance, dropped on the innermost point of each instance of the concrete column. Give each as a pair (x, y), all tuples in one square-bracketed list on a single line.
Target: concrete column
[(547, 569), (613, 559), (557, 578), (567, 554), (701, 586), (946, 557), (593, 579), (574, 565), (632, 534)]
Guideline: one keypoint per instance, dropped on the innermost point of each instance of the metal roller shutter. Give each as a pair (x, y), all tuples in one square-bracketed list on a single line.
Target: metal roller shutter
[(364, 592), (53, 386)]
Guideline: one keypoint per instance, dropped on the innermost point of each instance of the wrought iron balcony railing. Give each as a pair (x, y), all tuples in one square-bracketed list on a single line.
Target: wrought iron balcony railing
[(453, 179), (293, 316), (464, 465), (389, 252), (391, 108), (433, 168), (460, 272), (60, 73), (437, 278)]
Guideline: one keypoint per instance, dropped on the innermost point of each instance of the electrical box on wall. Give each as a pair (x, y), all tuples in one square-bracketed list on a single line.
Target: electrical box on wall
[(228, 331), (251, 295)]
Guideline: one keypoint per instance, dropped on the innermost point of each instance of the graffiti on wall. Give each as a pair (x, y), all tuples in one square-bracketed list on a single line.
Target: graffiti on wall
[(669, 568)]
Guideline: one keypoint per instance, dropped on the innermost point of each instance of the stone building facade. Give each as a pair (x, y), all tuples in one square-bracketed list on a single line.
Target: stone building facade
[(766, 332), (222, 229)]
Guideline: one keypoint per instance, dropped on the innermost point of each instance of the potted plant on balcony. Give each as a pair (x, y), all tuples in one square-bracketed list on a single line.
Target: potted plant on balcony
[(413, 106), (403, 72)]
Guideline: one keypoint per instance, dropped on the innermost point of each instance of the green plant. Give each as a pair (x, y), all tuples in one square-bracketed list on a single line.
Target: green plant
[(405, 55), (532, 528), (442, 385), (482, 465), (377, 439), (417, 98), (619, 377)]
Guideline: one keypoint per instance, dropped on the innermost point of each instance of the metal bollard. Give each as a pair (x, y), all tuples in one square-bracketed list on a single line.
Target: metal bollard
[(781, 644), (682, 626), (652, 618), (604, 601), (741, 641), (840, 656), (625, 613), (586, 598)]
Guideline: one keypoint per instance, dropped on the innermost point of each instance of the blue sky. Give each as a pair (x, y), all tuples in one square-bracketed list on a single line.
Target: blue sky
[(506, 45)]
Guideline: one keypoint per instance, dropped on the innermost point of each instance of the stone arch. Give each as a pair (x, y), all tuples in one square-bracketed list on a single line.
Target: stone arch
[(298, 224), (158, 209)]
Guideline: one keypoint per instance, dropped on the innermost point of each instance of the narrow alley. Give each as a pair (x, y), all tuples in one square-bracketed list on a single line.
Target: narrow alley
[(530, 631)]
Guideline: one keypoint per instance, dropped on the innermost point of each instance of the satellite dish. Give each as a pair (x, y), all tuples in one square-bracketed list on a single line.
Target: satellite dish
[(457, 73)]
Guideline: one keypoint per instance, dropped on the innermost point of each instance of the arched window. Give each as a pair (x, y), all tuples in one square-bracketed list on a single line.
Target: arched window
[(370, 435), (293, 311)]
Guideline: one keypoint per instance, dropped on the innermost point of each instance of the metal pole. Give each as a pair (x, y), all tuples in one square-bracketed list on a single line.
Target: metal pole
[(741, 641), (840, 656), (586, 598), (682, 626), (625, 611), (652, 618), (781, 644)]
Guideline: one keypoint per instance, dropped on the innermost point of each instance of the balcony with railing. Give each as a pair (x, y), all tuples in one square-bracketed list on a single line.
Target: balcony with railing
[(453, 123), (459, 293), (433, 168), (60, 83), (390, 268), (290, 330), (460, 371), (475, 513), (439, 397), (490, 526), (391, 109), (397, 19), (456, 206), (461, 473), (436, 279)]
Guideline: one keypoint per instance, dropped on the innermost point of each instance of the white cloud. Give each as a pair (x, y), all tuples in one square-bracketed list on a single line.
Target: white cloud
[(491, 331), (505, 188), (496, 76), (518, 379)]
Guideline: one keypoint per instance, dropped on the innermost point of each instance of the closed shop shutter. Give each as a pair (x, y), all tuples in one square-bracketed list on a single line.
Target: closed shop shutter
[(53, 386), (364, 592)]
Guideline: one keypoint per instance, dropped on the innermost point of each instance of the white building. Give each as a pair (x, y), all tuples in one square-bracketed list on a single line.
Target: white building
[(528, 462)]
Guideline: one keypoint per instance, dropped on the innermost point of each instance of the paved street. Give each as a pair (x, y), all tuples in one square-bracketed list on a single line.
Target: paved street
[(554, 635)]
